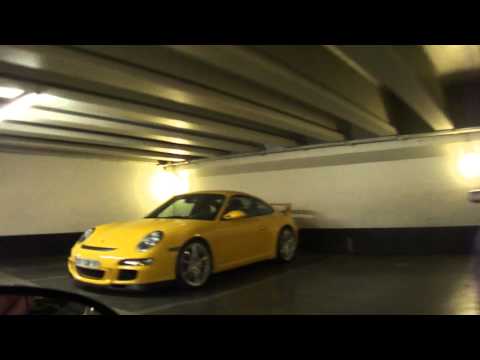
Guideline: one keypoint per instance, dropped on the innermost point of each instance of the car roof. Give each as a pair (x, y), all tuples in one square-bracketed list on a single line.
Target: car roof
[(220, 192)]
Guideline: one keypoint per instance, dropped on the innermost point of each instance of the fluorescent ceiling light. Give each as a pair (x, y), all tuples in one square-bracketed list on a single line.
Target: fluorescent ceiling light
[(10, 92), (17, 107)]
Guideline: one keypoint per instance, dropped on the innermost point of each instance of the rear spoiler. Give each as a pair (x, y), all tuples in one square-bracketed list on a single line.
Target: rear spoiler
[(282, 207)]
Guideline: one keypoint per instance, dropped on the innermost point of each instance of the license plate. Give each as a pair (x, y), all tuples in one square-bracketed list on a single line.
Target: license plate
[(90, 264)]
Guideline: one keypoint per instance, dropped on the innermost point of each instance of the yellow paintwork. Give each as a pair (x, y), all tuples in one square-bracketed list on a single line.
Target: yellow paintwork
[(233, 243)]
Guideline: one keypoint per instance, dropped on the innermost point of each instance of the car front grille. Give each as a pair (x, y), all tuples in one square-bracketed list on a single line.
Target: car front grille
[(96, 248), (91, 273)]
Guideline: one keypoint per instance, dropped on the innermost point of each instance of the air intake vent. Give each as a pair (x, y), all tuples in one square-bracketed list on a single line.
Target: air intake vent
[(90, 273), (96, 248)]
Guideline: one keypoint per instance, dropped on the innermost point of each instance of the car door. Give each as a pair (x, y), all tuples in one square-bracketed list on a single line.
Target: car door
[(236, 241), (268, 228)]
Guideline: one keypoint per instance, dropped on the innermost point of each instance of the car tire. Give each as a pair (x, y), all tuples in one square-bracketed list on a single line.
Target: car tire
[(287, 245), (193, 273)]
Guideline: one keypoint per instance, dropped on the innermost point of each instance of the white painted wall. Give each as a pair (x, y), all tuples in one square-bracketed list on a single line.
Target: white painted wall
[(407, 183), (53, 194), (396, 184)]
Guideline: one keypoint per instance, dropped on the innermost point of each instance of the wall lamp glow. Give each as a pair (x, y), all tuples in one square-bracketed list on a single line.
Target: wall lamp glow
[(18, 106), (164, 184), (469, 165)]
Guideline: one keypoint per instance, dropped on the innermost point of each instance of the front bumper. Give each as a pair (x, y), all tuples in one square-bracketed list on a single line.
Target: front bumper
[(110, 272)]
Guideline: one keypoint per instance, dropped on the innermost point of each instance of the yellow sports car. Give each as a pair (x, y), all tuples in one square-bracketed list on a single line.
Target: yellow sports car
[(186, 239)]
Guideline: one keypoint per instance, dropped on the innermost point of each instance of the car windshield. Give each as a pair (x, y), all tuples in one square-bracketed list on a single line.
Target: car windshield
[(195, 207)]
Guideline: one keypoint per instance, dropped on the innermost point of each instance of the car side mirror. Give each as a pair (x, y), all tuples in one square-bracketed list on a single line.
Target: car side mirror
[(24, 300), (234, 214)]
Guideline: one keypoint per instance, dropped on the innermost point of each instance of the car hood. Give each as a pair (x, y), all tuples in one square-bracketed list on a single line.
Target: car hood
[(117, 235)]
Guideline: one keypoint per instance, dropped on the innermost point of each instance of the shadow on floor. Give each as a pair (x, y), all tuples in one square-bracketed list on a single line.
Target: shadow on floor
[(221, 282), (313, 284)]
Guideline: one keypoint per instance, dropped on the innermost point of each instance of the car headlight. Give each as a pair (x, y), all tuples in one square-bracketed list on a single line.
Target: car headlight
[(150, 241), (86, 235), (136, 262)]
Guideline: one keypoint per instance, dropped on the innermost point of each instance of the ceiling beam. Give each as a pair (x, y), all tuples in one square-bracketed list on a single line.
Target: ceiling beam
[(112, 127), (48, 132), (116, 79), (165, 60), (178, 127), (252, 65), (15, 143), (396, 70)]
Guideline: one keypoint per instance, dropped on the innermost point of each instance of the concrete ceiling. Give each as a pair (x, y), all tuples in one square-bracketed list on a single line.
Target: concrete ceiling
[(454, 59), (172, 103)]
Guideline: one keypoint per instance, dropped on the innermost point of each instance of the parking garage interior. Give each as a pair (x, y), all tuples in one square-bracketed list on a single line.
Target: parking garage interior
[(375, 147)]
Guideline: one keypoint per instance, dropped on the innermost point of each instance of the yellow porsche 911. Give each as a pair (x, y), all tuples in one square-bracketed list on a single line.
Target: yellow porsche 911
[(186, 239)]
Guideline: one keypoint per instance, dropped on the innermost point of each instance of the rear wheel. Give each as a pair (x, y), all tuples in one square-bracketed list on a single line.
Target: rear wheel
[(287, 245), (194, 264)]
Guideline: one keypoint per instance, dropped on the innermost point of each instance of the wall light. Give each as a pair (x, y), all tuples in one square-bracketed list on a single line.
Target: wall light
[(17, 107), (165, 183), (10, 92), (469, 165)]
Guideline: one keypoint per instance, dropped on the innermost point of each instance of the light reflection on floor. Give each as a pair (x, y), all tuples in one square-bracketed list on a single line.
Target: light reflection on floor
[(314, 284), (464, 298)]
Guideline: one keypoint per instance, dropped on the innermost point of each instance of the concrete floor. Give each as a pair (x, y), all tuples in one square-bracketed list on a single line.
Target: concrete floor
[(313, 284)]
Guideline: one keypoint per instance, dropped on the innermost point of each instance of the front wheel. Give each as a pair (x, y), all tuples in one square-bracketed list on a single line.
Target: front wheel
[(194, 265), (287, 245)]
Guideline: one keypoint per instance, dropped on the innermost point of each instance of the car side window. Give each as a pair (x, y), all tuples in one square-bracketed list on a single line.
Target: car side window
[(252, 207), (261, 208), (241, 203)]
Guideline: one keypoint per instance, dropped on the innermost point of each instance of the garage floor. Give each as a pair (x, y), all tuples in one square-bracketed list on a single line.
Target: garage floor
[(314, 284)]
